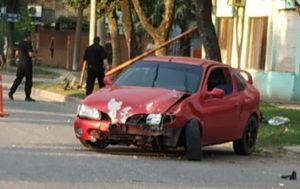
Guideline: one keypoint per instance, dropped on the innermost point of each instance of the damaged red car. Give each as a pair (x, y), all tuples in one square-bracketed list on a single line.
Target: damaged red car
[(163, 102)]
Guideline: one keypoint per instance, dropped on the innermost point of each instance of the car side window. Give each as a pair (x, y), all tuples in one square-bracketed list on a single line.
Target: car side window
[(220, 78), (240, 81)]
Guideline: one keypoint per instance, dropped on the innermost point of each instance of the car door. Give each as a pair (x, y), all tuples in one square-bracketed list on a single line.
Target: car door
[(247, 100), (220, 116)]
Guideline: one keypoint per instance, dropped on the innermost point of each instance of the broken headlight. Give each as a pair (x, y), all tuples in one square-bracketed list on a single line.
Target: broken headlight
[(153, 119)]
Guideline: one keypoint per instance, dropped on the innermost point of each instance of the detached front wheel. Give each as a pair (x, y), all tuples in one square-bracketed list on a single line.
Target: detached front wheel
[(246, 145), (193, 141), (94, 145)]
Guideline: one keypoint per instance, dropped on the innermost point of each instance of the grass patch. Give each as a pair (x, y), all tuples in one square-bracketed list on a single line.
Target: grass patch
[(38, 71), (60, 89), (278, 136)]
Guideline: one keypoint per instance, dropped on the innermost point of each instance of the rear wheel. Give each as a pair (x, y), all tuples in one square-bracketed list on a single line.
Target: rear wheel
[(246, 145), (193, 141), (94, 145)]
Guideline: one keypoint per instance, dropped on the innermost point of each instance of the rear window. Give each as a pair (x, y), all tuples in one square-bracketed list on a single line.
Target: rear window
[(174, 76), (240, 80)]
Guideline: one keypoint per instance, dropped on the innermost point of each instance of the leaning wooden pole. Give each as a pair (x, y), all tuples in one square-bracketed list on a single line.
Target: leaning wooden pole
[(127, 63), (82, 74), (147, 53)]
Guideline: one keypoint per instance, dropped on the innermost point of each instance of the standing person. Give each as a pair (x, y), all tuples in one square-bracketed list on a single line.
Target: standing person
[(25, 53), (95, 57)]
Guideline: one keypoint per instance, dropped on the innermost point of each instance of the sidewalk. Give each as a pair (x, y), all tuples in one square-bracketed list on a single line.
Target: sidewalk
[(283, 104), (7, 80)]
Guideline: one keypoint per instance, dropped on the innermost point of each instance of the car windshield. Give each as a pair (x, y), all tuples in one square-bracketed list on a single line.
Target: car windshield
[(175, 76)]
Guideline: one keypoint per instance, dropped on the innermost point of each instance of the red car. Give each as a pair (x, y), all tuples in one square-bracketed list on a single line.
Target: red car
[(161, 102)]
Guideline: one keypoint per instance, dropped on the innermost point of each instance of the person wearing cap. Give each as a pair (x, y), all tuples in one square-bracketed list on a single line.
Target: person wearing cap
[(24, 69), (95, 57)]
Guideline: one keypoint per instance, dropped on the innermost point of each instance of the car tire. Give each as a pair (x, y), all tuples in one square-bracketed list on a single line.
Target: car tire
[(246, 145), (94, 145), (193, 141)]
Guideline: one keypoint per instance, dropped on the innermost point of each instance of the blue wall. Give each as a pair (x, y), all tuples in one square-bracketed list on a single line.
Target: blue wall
[(296, 91), (277, 85)]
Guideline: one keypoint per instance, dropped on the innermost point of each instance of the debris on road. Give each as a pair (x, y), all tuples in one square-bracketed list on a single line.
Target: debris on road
[(278, 120), (292, 176)]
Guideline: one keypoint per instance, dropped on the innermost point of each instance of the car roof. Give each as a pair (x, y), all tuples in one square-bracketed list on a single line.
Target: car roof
[(183, 60)]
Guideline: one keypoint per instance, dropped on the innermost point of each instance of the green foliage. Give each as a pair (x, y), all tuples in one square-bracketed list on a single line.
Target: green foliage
[(184, 13), (107, 7), (75, 4), (25, 22), (153, 11)]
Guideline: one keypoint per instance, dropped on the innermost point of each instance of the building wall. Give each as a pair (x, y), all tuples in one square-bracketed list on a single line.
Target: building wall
[(276, 85), (63, 48), (279, 76), (296, 90), (286, 31)]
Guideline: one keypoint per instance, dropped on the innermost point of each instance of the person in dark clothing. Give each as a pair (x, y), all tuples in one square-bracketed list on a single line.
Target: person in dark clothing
[(95, 57), (24, 69)]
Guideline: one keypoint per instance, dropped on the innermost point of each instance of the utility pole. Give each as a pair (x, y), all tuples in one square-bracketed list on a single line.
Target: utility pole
[(92, 21)]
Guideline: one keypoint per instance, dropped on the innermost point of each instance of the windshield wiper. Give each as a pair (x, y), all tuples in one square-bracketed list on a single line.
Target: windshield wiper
[(156, 75), (186, 82)]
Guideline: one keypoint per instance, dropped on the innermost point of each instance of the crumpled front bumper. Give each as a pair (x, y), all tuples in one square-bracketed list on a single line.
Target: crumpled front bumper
[(93, 129)]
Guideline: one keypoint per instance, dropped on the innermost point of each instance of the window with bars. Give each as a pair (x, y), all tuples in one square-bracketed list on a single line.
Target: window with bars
[(257, 41), (225, 34)]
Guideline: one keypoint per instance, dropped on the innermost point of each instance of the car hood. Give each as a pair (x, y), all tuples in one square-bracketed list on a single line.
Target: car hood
[(120, 102)]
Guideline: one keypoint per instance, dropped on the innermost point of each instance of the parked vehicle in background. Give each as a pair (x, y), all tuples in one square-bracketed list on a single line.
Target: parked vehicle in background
[(163, 102)]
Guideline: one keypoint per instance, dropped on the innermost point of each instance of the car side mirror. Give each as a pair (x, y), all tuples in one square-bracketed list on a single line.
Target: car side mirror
[(216, 93), (107, 80)]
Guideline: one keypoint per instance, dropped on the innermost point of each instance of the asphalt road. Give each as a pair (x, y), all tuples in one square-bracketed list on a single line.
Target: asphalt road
[(38, 150)]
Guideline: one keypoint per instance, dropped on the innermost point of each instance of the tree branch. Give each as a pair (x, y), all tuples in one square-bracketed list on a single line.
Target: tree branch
[(168, 17), (144, 21)]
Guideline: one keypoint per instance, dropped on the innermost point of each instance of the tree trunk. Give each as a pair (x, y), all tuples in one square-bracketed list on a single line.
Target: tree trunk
[(206, 29), (77, 40), (128, 28), (10, 52), (114, 38), (160, 34), (158, 40)]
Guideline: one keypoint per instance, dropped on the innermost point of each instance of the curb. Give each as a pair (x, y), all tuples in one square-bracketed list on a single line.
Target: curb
[(54, 96), (294, 149), (49, 95)]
